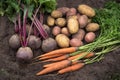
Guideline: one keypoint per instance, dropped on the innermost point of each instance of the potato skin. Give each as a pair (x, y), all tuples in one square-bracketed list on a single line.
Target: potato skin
[(62, 40), (75, 42), (79, 35), (60, 22), (65, 31), (64, 10), (86, 10), (71, 12), (50, 21), (92, 27), (56, 30), (73, 26), (90, 37), (56, 14), (49, 44), (83, 21)]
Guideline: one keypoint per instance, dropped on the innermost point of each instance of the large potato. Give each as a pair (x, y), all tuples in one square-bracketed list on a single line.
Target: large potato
[(83, 21), (56, 14), (50, 21), (79, 35), (86, 10), (72, 25), (92, 27), (60, 22), (62, 40)]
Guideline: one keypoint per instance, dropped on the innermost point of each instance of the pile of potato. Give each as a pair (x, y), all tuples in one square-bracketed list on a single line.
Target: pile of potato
[(73, 27)]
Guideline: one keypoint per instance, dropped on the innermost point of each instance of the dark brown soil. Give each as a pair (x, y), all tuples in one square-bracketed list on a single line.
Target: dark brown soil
[(106, 69)]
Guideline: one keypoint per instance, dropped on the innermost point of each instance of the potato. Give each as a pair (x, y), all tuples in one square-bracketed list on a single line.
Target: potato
[(60, 22), (56, 30), (56, 14), (65, 31), (90, 37), (75, 42), (49, 44), (79, 35), (86, 10), (50, 21), (92, 27), (73, 26), (74, 17), (71, 12), (62, 40), (47, 28), (63, 10), (83, 20)]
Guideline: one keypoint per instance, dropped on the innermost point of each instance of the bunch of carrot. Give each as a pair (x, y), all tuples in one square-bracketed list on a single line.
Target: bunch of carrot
[(74, 58)]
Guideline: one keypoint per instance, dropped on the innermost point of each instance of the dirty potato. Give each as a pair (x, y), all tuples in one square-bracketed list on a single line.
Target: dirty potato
[(83, 21), (64, 10), (50, 21), (56, 14), (92, 27), (60, 22)]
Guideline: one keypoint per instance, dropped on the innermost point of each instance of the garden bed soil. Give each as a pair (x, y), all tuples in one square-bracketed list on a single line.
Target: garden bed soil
[(10, 69)]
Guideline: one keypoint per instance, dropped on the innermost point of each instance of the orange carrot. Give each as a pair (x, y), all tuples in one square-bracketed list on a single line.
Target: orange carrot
[(50, 56), (58, 66), (71, 68), (61, 51), (57, 58), (77, 56)]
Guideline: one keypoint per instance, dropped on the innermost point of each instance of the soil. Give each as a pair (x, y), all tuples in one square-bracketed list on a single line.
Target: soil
[(10, 69)]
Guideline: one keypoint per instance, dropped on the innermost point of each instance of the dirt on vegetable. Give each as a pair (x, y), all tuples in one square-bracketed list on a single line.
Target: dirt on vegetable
[(10, 69)]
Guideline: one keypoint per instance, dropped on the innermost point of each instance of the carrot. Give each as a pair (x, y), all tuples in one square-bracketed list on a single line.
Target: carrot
[(50, 56), (57, 58), (71, 68), (76, 56), (61, 51), (57, 66), (52, 64)]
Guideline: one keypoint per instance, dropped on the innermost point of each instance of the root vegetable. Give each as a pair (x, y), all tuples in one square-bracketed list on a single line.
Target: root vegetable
[(90, 37), (49, 44), (62, 40), (14, 41), (28, 28), (47, 28), (71, 12), (34, 42), (92, 27), (65, 31), (86, 10), (79, 35), (24, 53), (83, 20), (50, 21), (56, 14), (73, 26), (56, 30), (64, 10), (60, 22), (75, 42)]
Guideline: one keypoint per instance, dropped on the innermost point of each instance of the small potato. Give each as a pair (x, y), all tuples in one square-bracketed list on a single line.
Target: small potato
[(64, 10), (56, 14), (79, 35), (60, 22), (90, 37), (50, 21), (73, 26), (83, 20), (62, 40), (71, 12), (75, 42), (86, 10), (49, 44), (92, 27), (47, 28), (56, 30), (65, 31)]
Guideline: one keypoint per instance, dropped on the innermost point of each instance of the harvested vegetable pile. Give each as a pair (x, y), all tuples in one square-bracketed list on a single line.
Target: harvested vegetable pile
[(73, 58)]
